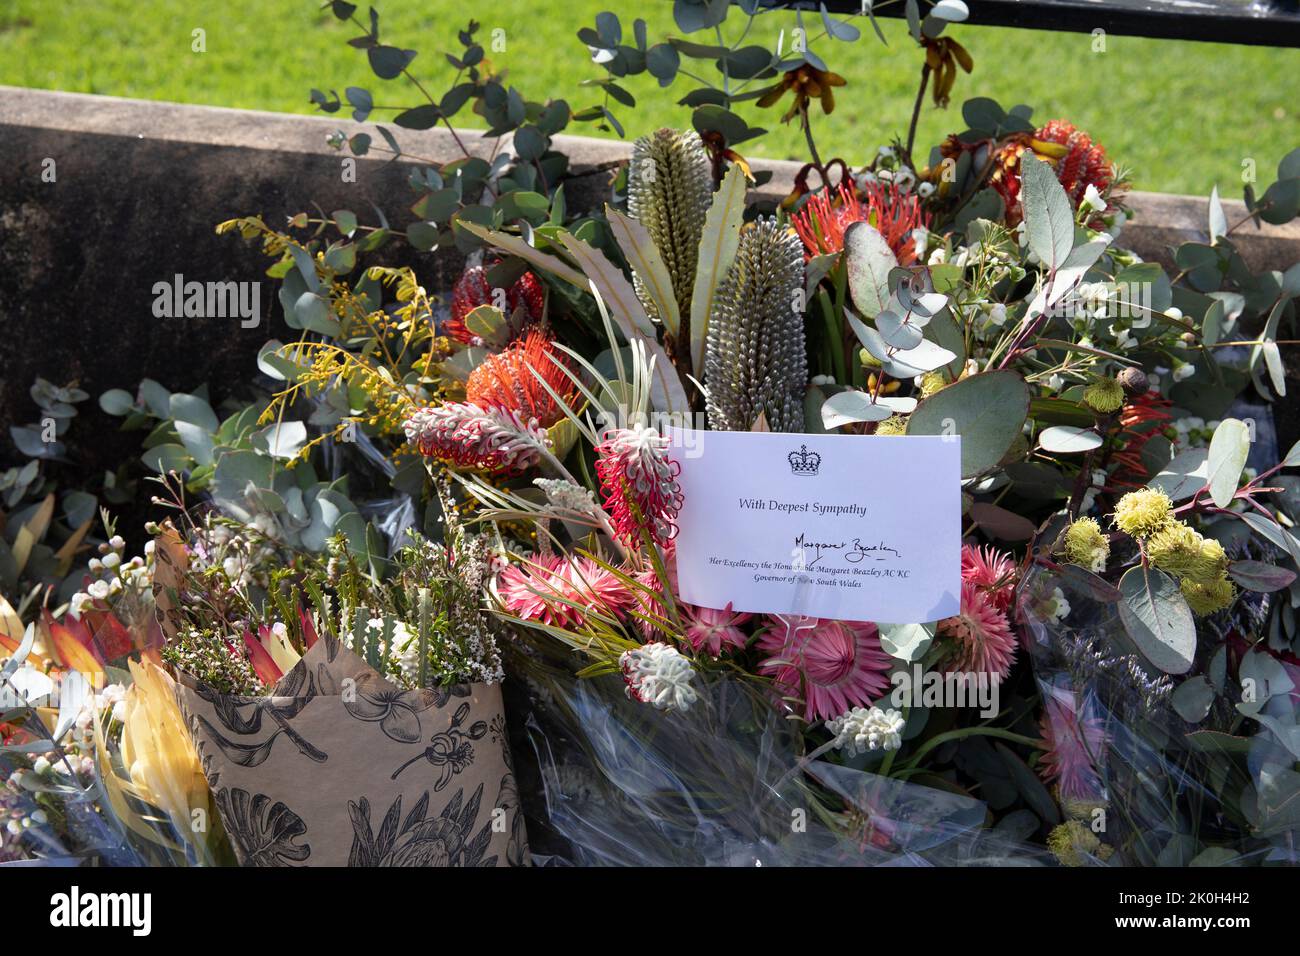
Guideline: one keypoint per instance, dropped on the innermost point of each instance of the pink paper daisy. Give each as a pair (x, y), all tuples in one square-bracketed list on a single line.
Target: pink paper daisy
[(709, 629), (992, 570), (833, 665), (980, 634), (1074, 745), (547, 589)]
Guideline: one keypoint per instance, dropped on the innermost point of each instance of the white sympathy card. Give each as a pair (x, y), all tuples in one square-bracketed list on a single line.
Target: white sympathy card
[(849, 527)]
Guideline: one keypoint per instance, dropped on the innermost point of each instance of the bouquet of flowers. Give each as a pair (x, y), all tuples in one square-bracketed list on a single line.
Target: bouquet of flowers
[(1116, 685)]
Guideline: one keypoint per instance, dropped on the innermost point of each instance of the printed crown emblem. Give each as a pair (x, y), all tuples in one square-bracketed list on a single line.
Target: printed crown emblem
[(804, 462)]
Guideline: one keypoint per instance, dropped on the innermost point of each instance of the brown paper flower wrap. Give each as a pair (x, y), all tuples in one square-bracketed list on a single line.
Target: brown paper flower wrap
[(338, 766)]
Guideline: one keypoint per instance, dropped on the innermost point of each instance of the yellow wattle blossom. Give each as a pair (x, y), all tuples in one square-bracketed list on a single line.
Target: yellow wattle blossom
[(1206, 598), (1142, 513), (1086, 546), (1104, 396)]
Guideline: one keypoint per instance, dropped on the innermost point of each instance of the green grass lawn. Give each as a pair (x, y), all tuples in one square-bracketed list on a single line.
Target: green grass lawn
[(1182, 116)]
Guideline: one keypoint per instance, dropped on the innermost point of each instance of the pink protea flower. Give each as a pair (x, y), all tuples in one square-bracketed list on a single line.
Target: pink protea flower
[(1074, 746), (836, 665), (981, 635), (547, 589), (708, 629), (493, 439), (991, 570), (639, 482)]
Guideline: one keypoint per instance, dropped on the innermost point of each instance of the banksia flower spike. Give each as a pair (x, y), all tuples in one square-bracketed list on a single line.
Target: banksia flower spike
[(755, 359), (491, 439), (639, 483), (669, 189)]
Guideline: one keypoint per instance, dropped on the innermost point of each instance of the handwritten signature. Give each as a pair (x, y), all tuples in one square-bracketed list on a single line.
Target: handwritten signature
[(854, 552)]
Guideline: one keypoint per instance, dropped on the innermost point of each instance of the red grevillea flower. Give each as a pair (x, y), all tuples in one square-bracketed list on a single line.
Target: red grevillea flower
[(822, 221), (562, 591), (1141, 419), (639, 482), (833, 665), (1074, 747), (493, 439), (991, 570), (472, 289), (1079, 163), (980, 634), (708, 629), (506, 380)]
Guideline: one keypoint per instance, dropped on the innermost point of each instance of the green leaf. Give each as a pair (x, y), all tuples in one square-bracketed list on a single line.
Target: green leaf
[(869, 260), (1049, 219), (1192, 699), (717, 250), (1068, 440), (116, 401), (906, 642), (1258, 576), (192, 409), (1155, 614), (518, 247), (624, 307), (987, 410), (1227, 457), (1184, 476), (850, 406), (642, 254)]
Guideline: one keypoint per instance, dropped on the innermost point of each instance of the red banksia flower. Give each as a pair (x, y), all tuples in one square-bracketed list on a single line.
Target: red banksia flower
[(505, 380), (1078, 161), (822, 221), (472, 289), (639, 483)]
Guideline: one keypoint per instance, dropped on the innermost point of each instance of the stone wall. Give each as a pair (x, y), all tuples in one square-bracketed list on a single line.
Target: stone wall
[(140, 185)]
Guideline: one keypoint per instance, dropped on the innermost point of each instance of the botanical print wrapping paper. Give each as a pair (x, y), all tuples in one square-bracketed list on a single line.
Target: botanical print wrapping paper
[(340, 767)]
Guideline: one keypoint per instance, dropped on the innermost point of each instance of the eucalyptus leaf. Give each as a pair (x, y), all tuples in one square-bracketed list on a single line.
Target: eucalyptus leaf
[(1155, 614), (869, 260), (987, 410), (1229, 448), (1049, 218), (1068, 440)]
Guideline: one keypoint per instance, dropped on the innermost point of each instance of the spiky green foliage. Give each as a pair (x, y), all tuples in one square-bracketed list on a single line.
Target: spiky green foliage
[(669, 190), (755, 361)]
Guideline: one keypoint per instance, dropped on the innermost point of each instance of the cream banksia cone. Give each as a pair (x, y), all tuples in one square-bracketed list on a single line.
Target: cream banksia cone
[(755, 361), (669, 190)]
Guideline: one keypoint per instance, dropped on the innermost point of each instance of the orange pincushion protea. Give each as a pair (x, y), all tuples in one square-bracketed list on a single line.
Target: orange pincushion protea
[(1079, 163), (822, 221), (505, 380)]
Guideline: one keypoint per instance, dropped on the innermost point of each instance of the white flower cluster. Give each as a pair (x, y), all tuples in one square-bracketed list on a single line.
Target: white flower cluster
[(568, 496), (1057, 608), (864, 729), (657, 674), (111, 575)]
